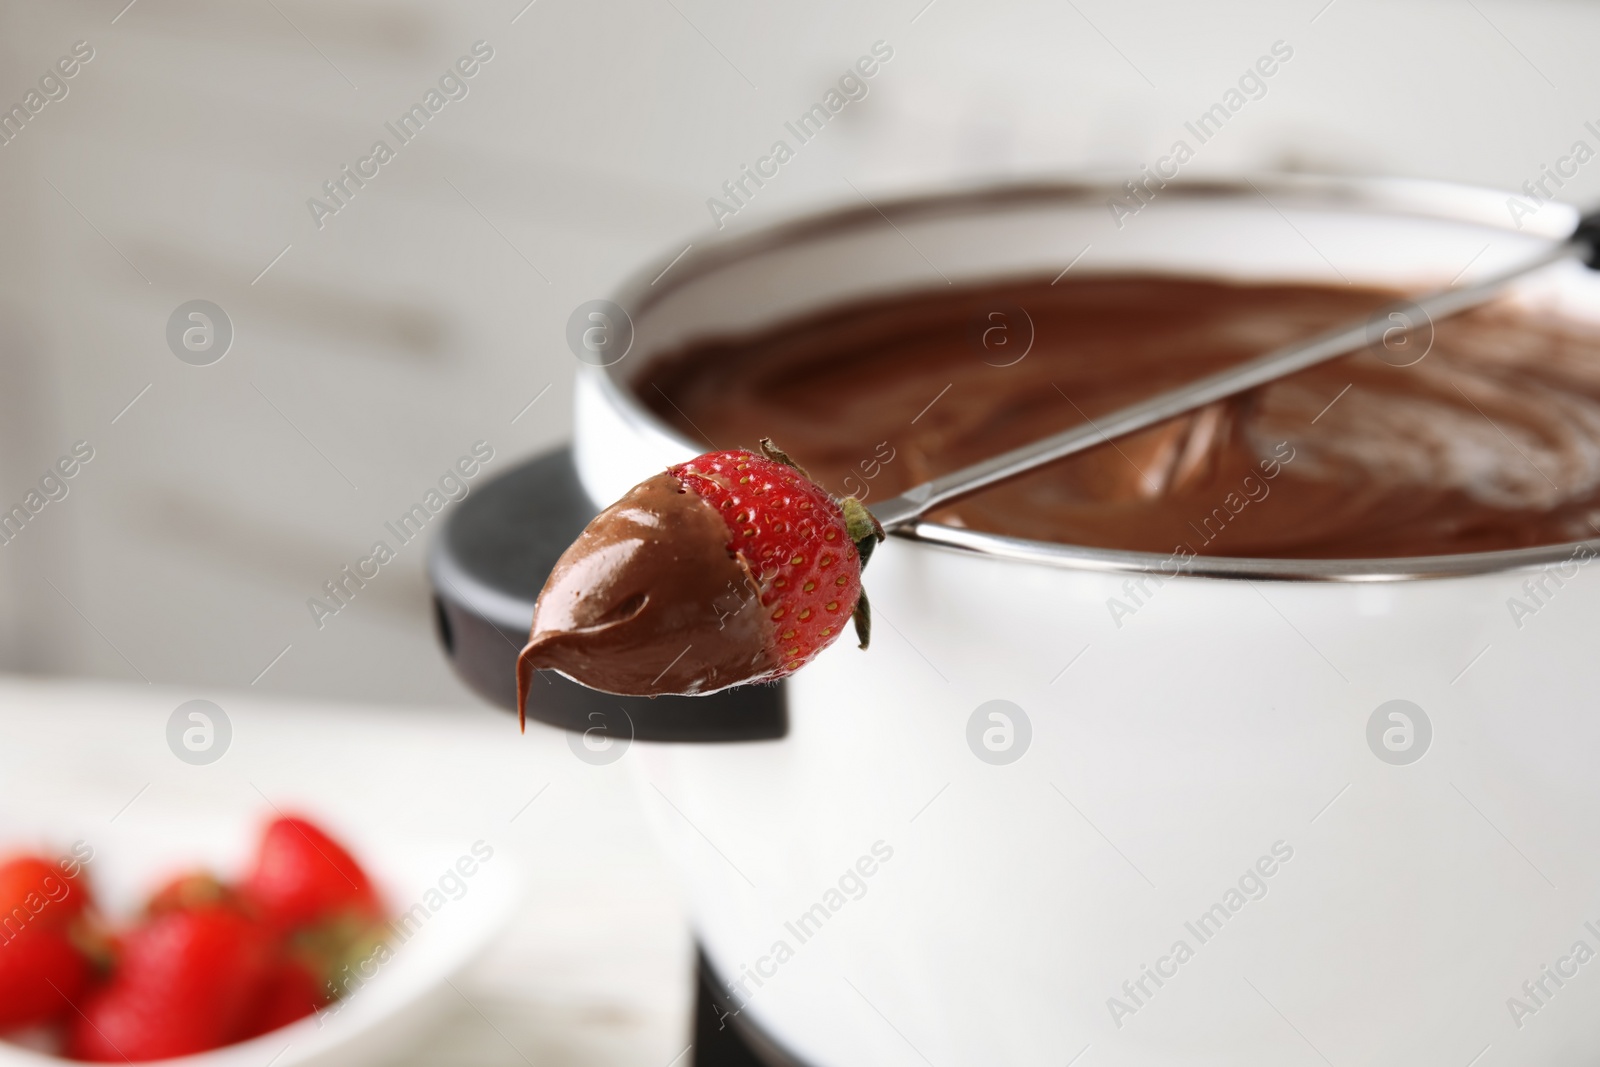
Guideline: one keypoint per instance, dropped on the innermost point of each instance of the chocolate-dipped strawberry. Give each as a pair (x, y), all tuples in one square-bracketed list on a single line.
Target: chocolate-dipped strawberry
[(732, 567)]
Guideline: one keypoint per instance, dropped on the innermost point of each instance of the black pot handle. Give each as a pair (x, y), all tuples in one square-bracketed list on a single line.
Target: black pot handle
[(1587, 232), (487, 566)]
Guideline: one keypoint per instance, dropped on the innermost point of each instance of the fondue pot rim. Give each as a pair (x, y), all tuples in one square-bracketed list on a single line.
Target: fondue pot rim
[(1417, 198)]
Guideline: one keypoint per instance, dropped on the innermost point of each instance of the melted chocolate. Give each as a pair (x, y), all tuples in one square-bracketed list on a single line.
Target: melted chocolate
[(649, 600), (1491, 441)]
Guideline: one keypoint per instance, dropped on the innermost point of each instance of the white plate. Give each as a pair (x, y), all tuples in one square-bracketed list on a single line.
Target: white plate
[(381, 1015)]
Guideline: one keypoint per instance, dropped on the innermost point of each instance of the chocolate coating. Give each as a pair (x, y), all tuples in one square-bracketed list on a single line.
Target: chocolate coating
[(1490, 442), (650, 600)]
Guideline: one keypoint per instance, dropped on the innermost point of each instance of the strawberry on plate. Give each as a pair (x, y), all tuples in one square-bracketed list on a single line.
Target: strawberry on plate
[(732, 567), (293, 990), (304, 878), (187, 981), (34, 889), (42, 970), (42, 974)]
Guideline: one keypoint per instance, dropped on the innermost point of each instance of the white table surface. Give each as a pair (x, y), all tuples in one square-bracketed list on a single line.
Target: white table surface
[(597, 967)]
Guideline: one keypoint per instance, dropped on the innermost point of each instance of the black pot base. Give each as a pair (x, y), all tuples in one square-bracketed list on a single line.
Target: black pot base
[(724, 1039)]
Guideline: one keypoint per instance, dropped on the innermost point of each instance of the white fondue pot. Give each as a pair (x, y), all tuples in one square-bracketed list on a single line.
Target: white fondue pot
[(1279, 812)]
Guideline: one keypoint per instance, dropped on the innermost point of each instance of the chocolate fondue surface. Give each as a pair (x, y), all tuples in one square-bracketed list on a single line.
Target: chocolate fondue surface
[(1491, 440)]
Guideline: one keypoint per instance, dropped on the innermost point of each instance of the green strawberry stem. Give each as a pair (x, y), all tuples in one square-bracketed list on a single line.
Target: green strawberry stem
[(862, 617), (863, 528), (778, 455)]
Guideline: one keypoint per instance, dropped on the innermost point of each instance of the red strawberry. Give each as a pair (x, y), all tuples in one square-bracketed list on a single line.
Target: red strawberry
[(292, 991), (187, 982), (37, 890), (796, 540), (731, 568), (42, 971), (41, 975), (302, 877)]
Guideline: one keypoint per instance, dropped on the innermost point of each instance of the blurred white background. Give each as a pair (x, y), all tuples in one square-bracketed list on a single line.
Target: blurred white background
[(428, 312)]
